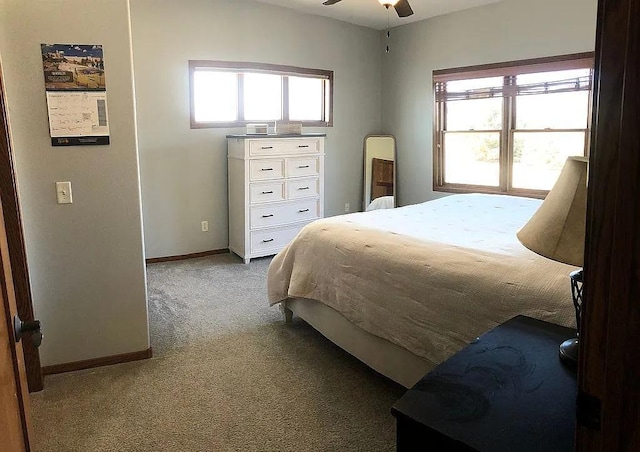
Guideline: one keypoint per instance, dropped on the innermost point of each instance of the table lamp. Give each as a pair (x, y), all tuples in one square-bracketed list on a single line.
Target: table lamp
[(556, 231)]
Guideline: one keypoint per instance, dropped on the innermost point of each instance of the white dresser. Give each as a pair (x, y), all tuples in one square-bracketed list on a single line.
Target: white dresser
[(276, 186)]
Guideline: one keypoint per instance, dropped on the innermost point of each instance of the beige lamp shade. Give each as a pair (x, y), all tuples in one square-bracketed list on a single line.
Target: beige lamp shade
[(557, 229)]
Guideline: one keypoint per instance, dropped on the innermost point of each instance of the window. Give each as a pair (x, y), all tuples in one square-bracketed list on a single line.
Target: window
[(225, 94), (509, 128)]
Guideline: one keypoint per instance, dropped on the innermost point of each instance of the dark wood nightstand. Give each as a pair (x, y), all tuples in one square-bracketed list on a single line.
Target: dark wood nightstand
[(507, 391)]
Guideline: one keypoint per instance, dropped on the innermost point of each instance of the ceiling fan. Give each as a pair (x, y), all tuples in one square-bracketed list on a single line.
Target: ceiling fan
[(402, 7)]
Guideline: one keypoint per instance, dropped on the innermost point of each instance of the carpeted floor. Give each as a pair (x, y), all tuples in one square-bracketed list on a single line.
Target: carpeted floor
[(227, 375)]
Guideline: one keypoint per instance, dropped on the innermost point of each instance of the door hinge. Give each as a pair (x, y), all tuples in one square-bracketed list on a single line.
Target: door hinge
[(588, 410)]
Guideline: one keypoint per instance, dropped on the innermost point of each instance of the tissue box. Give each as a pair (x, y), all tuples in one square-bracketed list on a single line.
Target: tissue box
[(288, 128)]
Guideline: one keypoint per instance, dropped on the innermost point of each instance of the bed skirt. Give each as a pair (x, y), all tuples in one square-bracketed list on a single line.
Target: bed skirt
[(386, 358)]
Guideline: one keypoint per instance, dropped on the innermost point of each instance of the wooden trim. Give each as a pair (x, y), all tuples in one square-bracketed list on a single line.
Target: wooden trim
[(505, 172), (18, 371), (507, 113), (557, 62), (549, 130), (436, 139), (609, 356), (588, 132), (471, 131), (155, 260), (329, 112), (98, 362), (465, 188), (17, 252), (260, 67), (324, 99)]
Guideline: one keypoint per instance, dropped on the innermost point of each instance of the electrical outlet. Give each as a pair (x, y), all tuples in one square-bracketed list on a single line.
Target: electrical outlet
[(347, 207), (205, 226)]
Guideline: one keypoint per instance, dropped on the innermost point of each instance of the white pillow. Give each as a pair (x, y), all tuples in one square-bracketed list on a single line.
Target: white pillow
[(383, 202)]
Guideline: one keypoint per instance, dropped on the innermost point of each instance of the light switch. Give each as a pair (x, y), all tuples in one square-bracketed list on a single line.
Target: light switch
[(63, 192)]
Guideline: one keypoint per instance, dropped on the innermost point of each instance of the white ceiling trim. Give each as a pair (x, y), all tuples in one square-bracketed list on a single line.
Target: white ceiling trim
[(370, 13)]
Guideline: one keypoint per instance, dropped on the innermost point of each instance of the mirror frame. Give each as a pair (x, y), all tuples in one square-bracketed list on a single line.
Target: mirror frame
[(364, 168)]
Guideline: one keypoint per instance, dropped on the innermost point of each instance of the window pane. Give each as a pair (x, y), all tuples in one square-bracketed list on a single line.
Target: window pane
[(539, 157), (472, 158), (553, 111), (305, 98), (477, 114), (476, 83), (262, 97), (327, 101), (541, 77), (215, 96)]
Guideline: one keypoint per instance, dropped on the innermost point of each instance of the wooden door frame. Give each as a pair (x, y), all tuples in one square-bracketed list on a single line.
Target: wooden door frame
[(15, 238), (609, 361), (18, 398)]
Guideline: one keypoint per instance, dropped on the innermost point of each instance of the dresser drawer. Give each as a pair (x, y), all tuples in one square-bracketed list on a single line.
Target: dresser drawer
[(303, 188), (285, 146), (297, 167), (283, 213), (265, 192), (266, 169), (273, 239)]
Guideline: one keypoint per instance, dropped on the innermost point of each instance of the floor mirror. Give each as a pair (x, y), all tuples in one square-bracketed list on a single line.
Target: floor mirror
[(379, 172)]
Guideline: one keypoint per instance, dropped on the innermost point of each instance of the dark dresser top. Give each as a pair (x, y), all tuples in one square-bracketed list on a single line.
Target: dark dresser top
[(507, 391), (279, 135)]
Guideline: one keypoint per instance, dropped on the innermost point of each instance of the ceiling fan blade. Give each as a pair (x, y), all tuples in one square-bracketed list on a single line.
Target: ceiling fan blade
[(403, 8), (331, 2)]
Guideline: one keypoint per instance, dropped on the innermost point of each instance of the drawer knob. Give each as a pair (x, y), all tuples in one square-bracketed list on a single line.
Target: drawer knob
[(266, 147), (303, 166), (266, 169), (303, 188), (303, 145), (267, 216), (267, 192), (267, 240), (303, 210)]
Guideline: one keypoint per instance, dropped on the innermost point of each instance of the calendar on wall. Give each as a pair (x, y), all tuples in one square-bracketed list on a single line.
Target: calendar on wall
[(76, 94)]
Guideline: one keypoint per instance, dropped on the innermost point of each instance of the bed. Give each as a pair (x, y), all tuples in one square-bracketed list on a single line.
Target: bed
[(403, 289)]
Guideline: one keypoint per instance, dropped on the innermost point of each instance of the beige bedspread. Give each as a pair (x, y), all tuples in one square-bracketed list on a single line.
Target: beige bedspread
[(382, 272)]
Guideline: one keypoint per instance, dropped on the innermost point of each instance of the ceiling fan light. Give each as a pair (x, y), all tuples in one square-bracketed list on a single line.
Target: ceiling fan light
[(388, 3)]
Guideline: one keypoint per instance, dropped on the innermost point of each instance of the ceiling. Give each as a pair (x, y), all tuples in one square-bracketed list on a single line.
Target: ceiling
[(370, 13)]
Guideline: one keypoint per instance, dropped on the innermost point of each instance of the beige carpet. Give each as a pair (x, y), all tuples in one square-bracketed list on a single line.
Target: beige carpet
[(227, 375)]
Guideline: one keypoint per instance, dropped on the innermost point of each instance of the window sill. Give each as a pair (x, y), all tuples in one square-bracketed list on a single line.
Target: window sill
[(460, 188)]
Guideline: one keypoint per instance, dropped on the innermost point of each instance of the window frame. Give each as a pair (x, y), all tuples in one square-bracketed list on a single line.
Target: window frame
[(261, 68), (509, 71)]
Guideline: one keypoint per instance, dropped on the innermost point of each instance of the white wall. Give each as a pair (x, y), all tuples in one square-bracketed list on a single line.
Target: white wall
[(184, 171), (505, 31), (85, 259)]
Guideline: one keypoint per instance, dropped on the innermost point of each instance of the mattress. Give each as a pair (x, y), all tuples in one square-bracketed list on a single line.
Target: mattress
[(429, 277)]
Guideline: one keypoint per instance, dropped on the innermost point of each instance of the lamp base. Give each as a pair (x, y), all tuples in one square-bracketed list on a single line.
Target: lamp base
[(569, 351)]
